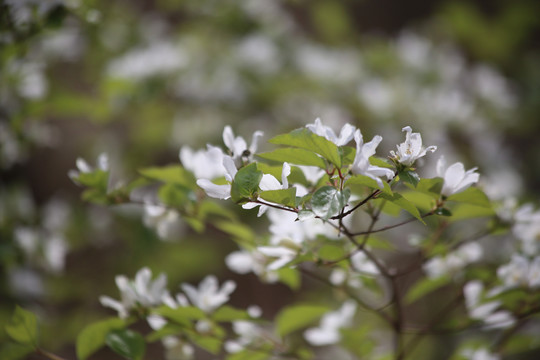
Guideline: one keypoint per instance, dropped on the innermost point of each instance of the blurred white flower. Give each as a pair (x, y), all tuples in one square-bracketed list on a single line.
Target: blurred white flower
[(520, 272), (244, 262), (166, 222), (485, 312), (411, 149), (361, 163), (479, 354), (84, 167), (453, 262), (527, 229), (283, 256), (208, 296), (328, 330), (139, 292), (456, 179), (345, 135)]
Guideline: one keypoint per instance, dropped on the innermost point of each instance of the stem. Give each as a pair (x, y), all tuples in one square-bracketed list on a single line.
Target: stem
[(48, 354), (392, 226)]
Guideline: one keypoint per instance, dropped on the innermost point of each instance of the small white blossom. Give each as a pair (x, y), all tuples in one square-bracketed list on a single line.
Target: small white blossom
[(520, 272), (208, 296), (247, 332), (283, 254), (328, 331), (139, 292), (238, 146), (453, 262), (361, 163), (345, 135), (456, 179), (166, 221), (485, 312), (411, 149), (84, 167), (244, 262), (204, 164), (479, 354), (220, 191)]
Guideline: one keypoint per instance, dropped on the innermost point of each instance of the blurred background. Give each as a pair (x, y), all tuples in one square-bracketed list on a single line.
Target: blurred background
[(140, 79)]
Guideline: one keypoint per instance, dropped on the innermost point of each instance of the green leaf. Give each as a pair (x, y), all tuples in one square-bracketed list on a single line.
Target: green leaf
[(331, 252), (380, 162), (294, 156), (23, 327), (468, 211), (305, 139), (92, 337), (348, 154), (15, 351), (240, 232), (285, 197), (425, 286), (174, 174), (473, 196), (227, 313), (250, 355), (443, 212), (369, 182), (410, 177), (297, 317), (181, 315), (246, 183), (208, 343), (290, 277), (403, 203), (168, 330), (432, 187), (128, 343), (96, 179), (175, 195), (328, 201)]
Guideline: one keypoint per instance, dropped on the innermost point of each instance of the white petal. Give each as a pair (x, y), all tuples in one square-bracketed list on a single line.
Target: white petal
[(216, 191)]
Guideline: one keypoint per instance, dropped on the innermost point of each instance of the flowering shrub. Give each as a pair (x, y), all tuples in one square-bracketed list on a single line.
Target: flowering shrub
[(339, 216)]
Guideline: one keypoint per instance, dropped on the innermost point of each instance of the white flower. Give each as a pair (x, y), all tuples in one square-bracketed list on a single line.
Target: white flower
[(485, 312), (247, 332), (140, 292), (244, 262), (453, 262), (520, 272), (479, 354), (328, 331), (204, 164), (269, 182), (166, 221), (411, 149), (208, 297), (456, 179), (361, 163), (527, 228), (220, 191), (283, 254), (238, 146), (345, 135), (84, 167)]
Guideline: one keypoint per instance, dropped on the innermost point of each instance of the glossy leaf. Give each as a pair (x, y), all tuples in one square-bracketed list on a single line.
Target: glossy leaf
[(92, 337), (285, 197), (296, 317), (328, 201), (410, 177), (246, 183), (305, 139), (128, 343)]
